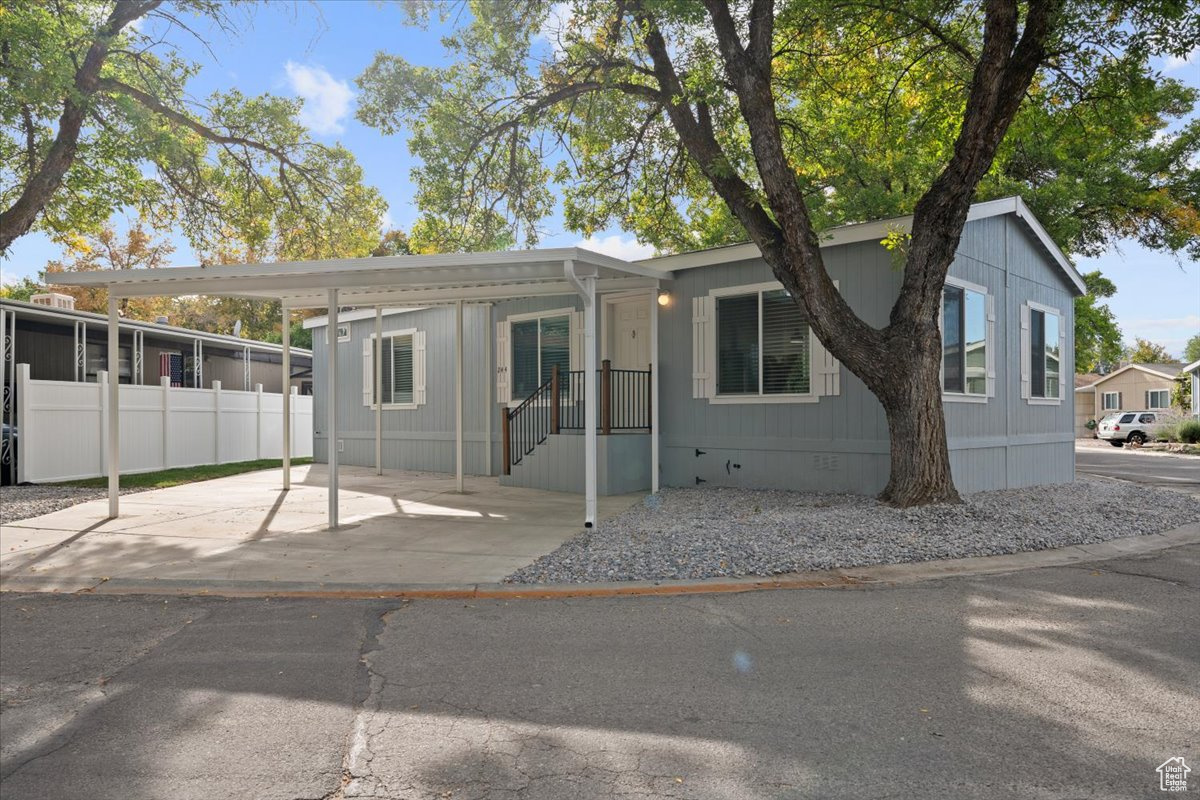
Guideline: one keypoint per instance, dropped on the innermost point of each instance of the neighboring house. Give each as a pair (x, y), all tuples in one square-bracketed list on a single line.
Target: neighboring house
[(1192, 373), (1085, 404), (62, 344), (1133, 387), (748, 396)]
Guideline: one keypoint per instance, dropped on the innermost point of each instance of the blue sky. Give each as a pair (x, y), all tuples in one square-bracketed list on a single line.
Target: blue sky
[(316, 51)]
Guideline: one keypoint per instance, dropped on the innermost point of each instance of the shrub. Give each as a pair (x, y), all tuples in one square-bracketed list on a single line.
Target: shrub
[(1189, 432), (1169, 433)]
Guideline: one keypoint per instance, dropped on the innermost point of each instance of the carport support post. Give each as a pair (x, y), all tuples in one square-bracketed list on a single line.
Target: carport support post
[(114, 407), (654, 468), (286, 344), (331, 331), (378, 360), (589, 406), (458, 394)]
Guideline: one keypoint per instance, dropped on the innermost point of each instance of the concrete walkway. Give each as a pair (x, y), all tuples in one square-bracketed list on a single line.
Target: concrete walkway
[(403, 527)]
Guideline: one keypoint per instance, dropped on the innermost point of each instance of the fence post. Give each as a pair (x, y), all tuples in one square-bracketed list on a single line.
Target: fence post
[(506, 444), (605, 397), (258, 426), (21, 394), (216, 390), (164, 383), (102, 385), (554, 399)]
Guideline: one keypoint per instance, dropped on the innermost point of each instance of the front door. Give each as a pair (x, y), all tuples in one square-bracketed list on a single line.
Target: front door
[(630, 342)]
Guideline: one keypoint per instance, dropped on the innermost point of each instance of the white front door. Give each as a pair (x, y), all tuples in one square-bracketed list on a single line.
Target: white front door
[(630, 342)]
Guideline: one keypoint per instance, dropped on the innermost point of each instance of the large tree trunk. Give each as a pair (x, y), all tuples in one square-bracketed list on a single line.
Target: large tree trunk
[(912, 400)]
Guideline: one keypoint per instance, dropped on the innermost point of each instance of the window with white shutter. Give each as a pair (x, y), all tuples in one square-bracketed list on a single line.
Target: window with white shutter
[(403, 369)]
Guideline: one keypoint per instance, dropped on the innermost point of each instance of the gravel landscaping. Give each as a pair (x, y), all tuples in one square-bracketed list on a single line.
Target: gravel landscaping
[(23, 502), (711, 532)]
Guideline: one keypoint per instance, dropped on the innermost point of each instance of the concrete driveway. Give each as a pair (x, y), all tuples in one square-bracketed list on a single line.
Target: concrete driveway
[(1181, 473), (403, 527), (1069, 682)]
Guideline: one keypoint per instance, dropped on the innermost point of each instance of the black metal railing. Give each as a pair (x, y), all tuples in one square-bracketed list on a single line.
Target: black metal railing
[(560, 404)]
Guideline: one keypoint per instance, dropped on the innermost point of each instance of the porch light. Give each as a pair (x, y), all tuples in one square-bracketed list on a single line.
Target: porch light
[(664, 298)]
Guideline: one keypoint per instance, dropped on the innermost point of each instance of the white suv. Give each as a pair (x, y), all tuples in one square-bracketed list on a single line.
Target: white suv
[(1131, 426)]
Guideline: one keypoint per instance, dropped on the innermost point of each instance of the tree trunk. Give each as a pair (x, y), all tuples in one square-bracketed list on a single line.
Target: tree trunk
[(912, 401)]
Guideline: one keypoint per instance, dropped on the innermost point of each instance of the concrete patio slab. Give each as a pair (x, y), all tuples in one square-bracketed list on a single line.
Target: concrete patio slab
[(402, 527)]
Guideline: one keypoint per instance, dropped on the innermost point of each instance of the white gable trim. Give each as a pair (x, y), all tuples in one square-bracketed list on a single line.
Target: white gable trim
[(875, 231), (1141, 367)]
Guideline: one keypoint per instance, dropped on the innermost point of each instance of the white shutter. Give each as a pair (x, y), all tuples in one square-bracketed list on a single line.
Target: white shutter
[(418, 367), (1063, 377), (368, 373), (990, 345), (577, 337), (826, 370), (704, 361), (1025, 365), (503, 363)]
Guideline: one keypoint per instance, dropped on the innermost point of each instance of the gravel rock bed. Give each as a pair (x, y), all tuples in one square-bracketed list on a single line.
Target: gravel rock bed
[(714, 532), (23, 502)]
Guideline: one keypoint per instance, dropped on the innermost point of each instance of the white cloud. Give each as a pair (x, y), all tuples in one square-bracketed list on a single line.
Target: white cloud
[(618, 246), (555, 25), (1171, 333), (326, 100), (386, 223), (1178, 62)]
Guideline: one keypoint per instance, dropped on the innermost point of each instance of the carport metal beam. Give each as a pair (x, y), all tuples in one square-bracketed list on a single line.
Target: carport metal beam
[(113, 440), (331, 408), (286, 340)]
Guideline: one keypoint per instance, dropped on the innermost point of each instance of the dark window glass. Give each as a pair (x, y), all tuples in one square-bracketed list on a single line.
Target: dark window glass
[(952, 340), (786, 351), (1146, 418), (556, 346), (402, 370), (1128, 418), (737, 344), (524, 358), (1037, 353)]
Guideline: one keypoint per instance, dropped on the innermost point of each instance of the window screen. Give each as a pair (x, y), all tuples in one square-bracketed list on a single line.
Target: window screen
[(737, 344), (1037, 352), (785, 345)]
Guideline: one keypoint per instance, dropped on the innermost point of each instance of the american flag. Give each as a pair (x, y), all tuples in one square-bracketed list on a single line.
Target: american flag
[(171, 364)]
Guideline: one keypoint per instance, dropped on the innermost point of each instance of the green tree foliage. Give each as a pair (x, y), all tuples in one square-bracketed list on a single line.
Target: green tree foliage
[(1097, 336), (1191, 350), (1145, 351), (698, 123), (95, 117), (20, 290)]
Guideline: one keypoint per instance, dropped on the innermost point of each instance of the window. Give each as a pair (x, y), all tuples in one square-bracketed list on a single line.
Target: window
[(1128, 418), (343, 333), (964, 341), (537, 346), (763, 345), (402, 372), (1110, 401), (1043, 356), (1146, 419), (1158, 398)]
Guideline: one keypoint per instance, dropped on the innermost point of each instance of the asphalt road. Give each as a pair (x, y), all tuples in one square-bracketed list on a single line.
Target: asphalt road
[(1171, 472), (1054, 683)]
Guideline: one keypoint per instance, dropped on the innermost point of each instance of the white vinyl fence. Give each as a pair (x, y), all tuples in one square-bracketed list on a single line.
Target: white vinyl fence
[(61, 427)]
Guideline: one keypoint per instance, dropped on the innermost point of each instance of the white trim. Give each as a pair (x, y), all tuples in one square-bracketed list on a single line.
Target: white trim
[(715, 397), (528, 315), (1031, 399), (356, 315), (877, 230), (392, 334), (1141, 367), (1150, 407), (988, 343), (573, 330)]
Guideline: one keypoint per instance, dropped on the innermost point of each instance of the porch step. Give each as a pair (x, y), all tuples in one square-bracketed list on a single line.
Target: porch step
[(557, 464)]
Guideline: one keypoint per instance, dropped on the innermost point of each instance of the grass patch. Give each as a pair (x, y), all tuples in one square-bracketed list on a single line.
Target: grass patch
[(175, 477)]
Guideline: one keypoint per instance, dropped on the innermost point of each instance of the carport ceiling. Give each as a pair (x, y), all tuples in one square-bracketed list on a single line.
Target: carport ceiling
[(420, 279)]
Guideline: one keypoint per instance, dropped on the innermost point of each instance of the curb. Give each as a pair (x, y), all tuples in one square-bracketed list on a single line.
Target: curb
[(851, 578)]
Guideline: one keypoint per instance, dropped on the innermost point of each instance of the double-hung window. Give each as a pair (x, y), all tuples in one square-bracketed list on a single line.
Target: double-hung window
[(1158, 398), (538, 345), (401, 372), (1110, 401), (1044, 355), (398, 369), (763, 345), (964, 341)]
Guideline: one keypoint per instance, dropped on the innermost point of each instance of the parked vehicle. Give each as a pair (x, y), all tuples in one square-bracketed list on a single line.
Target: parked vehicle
[(1136, 427)]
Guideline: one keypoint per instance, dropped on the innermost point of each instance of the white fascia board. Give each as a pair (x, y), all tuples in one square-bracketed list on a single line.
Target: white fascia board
[(469, 294), (1192, 367), (877, 230), (1140, 367), (355, 315), (1091, 387)]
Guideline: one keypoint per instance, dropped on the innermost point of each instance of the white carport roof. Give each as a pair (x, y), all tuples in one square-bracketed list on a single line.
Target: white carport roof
[(387, 280)]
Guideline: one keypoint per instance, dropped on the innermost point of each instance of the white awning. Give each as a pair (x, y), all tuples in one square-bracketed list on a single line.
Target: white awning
[(386, 280)]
